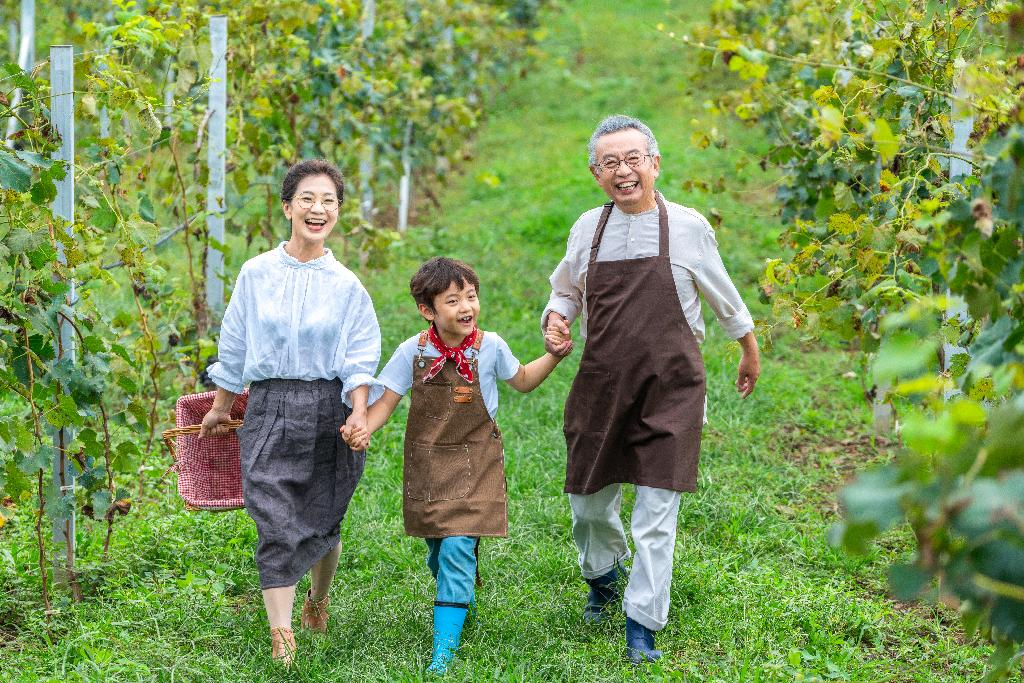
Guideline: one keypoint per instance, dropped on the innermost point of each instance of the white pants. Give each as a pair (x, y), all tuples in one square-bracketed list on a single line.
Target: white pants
[(601, 541)]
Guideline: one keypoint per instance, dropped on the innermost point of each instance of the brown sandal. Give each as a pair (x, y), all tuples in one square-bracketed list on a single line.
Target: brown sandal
[(282, 645), (314, 612)]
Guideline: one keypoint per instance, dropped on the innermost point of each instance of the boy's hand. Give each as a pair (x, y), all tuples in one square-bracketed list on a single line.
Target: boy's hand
[(557, 344), (557, 336), (356, 436)]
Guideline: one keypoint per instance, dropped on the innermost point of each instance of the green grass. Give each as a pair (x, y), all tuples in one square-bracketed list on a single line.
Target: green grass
[(758, 593)]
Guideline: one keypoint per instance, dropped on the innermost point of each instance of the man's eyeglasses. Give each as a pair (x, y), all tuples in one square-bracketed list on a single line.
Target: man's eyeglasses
[(330, 204), (632, 160)]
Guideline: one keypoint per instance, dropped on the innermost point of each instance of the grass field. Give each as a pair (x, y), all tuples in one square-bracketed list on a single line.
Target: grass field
[(758, 593)]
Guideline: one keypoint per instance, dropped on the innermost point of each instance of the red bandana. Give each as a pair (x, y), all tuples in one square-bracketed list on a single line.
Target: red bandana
[(447, 353)]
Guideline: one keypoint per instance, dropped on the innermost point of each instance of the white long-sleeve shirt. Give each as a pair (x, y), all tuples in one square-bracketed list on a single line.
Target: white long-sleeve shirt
[(293, 320), (693, 252)]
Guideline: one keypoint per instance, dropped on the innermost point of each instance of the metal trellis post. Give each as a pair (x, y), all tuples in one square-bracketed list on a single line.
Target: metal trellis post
[(366, 162), (62, 112), (215, 194), (963, 124)]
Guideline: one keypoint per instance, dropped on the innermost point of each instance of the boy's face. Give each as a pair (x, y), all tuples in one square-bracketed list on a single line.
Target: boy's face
[(455, 312)]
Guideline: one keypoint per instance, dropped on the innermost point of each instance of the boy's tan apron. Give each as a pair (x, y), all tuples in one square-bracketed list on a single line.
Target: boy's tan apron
[(454, 457), (636, 408)]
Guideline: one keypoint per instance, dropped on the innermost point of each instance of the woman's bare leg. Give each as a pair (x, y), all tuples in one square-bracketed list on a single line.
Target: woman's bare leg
[(279, 602), (322, 574)]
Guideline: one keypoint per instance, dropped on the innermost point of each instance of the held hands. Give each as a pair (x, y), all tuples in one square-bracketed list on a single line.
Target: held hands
[(355, 432), (557, 336)]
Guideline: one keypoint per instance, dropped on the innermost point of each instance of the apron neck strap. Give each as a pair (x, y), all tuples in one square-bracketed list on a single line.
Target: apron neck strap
[(662, 225), (662, 228), (599, 233)]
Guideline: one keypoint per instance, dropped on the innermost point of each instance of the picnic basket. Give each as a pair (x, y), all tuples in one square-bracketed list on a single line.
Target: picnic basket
[(209, 470)]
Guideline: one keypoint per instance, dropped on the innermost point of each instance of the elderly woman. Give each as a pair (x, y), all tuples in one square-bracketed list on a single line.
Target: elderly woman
[(300, 330)]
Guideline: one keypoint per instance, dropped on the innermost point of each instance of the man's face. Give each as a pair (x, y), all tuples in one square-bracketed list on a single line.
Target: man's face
[(455, 312), (632, 189)]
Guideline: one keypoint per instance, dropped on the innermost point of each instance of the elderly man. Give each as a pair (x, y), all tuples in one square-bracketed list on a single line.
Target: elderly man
[(631, 273)]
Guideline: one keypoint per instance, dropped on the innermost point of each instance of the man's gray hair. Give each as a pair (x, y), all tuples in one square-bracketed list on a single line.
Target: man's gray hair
[(615, 123)]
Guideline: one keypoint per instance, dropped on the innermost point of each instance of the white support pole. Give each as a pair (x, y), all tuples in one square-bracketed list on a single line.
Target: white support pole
[(216, 139), (404, 186), (369, 17), (62, 112), (963, 124), (168, 93), (366, 162), (881, 407), (12, 40), (26, 59)]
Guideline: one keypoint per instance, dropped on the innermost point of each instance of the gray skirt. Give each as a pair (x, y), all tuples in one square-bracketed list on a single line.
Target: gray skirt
[(298, 475)]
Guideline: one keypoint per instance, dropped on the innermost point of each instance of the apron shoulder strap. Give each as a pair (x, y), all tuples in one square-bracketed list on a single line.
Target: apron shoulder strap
[(421, 344), (662, 225), (599, 232)]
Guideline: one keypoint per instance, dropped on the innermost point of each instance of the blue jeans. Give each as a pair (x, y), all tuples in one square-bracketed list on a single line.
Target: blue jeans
[(452, 561)]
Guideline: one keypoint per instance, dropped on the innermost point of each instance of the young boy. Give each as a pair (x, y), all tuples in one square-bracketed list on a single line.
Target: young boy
[(454, 472)]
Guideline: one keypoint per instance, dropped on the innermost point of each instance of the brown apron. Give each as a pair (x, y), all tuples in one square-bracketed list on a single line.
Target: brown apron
[(636, 408), (454, 456)]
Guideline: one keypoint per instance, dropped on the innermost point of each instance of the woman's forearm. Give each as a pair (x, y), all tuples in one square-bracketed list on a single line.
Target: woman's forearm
[(359, 396), (223, 401)]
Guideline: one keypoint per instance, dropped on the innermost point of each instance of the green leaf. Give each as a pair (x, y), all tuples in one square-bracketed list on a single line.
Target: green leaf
[(14, 173), (101, 501), (902, 355), (885, 142)]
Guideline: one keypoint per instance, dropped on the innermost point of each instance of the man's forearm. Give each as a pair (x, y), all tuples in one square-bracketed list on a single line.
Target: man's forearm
[(748, 343)]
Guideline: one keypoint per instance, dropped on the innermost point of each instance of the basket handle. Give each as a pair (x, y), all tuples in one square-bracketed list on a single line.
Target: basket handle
[(170, 435)]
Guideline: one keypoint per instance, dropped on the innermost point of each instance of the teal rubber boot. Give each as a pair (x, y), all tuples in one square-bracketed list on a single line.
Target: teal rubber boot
[(640, 643), (448, 623), (604, 591)]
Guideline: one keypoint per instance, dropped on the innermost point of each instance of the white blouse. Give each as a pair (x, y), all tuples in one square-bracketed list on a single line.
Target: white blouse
[(293, 320), (693, 251)]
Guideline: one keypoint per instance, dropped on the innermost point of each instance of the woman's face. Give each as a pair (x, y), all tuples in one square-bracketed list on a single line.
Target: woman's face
[(313, 211)]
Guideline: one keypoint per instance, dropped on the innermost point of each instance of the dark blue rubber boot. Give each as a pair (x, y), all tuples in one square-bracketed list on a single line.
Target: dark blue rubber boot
[(604, 590), (448, 623), (640, 643)]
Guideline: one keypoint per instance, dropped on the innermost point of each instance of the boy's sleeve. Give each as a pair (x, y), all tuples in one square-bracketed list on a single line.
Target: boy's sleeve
[(397, 374), (506, 365)]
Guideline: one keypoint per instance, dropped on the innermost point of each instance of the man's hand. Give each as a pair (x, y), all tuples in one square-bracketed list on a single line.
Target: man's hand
[(750, 365), (214, 423), (557, 336)]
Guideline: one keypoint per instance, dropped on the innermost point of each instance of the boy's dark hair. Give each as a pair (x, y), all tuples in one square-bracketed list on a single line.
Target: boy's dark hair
[(311, 167), (436, 275)]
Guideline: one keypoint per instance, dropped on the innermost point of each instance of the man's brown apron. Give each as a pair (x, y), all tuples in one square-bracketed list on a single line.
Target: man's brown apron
[(636, 408), (454, 456)]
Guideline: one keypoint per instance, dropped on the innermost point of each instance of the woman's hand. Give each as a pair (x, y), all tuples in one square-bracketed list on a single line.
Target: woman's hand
[(355, 432), (214, 423)]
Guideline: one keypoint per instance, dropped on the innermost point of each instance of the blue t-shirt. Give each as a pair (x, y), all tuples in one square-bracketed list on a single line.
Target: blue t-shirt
[(496, 362)]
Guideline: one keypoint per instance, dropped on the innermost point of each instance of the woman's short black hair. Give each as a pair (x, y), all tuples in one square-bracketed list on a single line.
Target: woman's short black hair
[(311, 167), (436, 275)]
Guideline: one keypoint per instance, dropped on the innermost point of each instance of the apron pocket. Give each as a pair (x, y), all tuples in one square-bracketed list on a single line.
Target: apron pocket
[(437, 472), (437, 404), (587, 408)]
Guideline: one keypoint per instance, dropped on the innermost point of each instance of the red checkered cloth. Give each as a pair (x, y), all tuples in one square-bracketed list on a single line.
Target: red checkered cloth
[(209, 470)]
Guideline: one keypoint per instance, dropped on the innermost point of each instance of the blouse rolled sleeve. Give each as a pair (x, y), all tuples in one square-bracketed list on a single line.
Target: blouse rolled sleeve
[(227, 372), (719, 291), (362, 353)]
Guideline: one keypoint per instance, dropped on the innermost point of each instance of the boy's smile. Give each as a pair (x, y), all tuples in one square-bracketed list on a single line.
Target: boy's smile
[(455, 313)]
